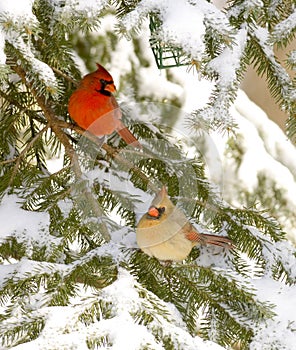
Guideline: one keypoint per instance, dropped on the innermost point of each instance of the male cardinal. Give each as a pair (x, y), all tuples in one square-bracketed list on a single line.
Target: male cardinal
[(94, 108), (165, 232)]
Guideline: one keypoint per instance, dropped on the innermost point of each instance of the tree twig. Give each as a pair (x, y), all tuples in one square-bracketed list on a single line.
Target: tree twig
[(19, 158), (65, 76), (111, 151), (53, 123)]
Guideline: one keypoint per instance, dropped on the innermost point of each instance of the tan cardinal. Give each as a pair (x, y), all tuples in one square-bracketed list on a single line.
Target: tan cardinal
[(94, 108), (165, 232)]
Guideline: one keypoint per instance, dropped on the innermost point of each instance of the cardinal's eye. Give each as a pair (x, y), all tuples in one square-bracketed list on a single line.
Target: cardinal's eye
[(106, 82), (161, 210)]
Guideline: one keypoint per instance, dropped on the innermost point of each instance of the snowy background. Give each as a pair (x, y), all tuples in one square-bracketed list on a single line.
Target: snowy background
[(266, 150)]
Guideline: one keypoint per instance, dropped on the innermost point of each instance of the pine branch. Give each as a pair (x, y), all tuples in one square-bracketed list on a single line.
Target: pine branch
[(112, 152), (20, 157), (69, 251), (14, 102), (123, 7), (211, 295), (65, 76), (54, 125), (284, 32), (52, 120)]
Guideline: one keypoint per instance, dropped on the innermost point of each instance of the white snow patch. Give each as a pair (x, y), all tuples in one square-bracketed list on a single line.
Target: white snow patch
[(2, 46), (227, 63), (28, 227), (279, 332), (20, 222), (184, 25), (17, 8)]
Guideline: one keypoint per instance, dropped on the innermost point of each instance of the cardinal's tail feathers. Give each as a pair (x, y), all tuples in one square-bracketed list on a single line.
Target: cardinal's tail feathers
[(128, 137), (204, 239), (221, 241)]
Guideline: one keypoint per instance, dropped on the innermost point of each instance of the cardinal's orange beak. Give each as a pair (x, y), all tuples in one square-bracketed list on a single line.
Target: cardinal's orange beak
[(110, 87), (154, 212)]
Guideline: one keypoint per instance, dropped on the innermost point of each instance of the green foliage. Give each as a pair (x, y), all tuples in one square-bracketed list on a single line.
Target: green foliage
[(212, 295), (269, 24), (265, 25), (81, 247)]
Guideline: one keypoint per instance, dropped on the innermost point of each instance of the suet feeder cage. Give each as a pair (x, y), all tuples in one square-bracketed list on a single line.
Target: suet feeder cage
[(166, 55)]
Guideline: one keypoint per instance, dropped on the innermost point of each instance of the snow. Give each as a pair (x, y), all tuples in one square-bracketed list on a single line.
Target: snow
[(86, 5), (284, 28), (255, 157), (266, 45), (2, 46), (186, 22), (20, 12), (246, 8), (292, 58), (120, 328), (54, 164), (17, 9), (92, 8), (26, 268), (280, 332), (266, 150), (26, 226), (44, 72), (279, 146), (53, 333), (228, 62)]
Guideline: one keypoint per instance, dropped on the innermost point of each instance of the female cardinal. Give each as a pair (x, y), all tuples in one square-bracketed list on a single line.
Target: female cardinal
[(94, 108), (165, 232)]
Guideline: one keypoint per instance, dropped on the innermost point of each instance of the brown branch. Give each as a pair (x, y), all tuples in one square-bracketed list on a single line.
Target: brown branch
[(112, 152), (51, 118), (65, 76), (53, 123), (8, 161), (19, 158), (30, 113)]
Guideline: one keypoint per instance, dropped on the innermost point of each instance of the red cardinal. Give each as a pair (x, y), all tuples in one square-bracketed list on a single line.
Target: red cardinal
[(94, 108)]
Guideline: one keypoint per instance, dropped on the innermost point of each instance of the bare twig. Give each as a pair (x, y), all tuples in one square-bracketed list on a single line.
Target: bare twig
[(52, 120), (111, 151), (65, 76), (53, 123), (19, 158), (8, 161), (30, 113)]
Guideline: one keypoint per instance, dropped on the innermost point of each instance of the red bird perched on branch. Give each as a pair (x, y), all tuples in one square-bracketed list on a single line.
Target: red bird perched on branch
[(94, 108)]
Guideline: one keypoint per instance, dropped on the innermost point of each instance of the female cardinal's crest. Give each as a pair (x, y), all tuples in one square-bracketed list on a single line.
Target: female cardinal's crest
[(160, 197)]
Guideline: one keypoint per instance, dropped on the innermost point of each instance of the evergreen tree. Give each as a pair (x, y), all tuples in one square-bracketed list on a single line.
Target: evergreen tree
[(71, 273)]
